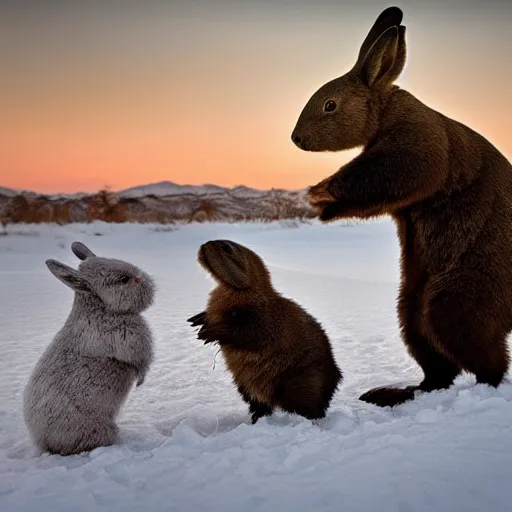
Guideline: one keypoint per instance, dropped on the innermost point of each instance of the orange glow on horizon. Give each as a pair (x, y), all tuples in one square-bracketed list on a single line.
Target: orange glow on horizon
[(117, 109)]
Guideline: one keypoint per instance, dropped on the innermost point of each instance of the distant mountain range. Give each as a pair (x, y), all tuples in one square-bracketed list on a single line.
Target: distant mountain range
[(158, 202)]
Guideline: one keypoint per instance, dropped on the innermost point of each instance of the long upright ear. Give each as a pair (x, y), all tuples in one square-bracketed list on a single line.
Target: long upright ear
[(400, 57), (229, 267), (378, 67), (69, 276), (390, 17), (81, 251)]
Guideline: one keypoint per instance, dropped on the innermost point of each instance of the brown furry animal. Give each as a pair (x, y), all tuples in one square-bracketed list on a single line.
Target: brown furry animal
[(278, 354), (449, 192)]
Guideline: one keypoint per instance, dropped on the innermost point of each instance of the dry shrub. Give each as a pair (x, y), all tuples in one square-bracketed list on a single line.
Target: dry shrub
[(107, 206), (205, 212)]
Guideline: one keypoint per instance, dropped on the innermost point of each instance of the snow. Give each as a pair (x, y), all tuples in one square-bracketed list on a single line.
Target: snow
[(8, 192), (242, 191), (187, 442), (161, 189), (168, 188)]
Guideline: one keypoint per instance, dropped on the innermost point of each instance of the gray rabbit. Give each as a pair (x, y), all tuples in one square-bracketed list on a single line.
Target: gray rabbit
[(83, 378)]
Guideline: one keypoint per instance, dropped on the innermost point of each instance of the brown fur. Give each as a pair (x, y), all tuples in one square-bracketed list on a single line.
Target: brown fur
[(278, 354), (449, 191)]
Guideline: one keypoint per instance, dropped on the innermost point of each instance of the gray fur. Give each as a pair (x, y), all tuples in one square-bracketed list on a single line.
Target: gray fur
[(84, 376), (81, 251)]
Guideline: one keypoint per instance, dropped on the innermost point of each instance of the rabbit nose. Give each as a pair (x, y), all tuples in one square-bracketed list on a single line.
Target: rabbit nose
[(137, 279), (296, 139)]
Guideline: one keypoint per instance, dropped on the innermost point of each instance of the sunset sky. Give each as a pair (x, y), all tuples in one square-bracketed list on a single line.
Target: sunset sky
[(208, 91)]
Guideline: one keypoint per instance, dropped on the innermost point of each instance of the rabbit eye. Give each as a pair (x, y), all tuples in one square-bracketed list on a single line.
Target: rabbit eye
[(330, 106), (124, 279)]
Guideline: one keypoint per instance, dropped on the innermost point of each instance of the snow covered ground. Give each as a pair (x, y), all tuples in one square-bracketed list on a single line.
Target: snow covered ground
[(187, 443)]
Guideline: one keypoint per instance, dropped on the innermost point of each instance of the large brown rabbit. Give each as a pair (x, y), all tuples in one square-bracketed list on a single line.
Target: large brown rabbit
[(449, 192), (278, 354)]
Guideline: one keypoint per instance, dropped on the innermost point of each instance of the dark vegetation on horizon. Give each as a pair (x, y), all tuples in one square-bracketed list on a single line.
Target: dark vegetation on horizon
[(109, 206)]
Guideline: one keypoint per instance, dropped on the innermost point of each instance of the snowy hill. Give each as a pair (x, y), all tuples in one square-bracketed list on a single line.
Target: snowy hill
[(187, 442), (168, 188), (8, 192), (163, 202)]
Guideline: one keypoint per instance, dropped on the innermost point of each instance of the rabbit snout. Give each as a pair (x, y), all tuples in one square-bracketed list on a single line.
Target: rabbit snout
[(301, 141), (297, 139)]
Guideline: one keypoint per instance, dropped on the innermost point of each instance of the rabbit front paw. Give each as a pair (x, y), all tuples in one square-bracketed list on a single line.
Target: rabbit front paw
[(319, 196), (322, 199), (199, 319), (141, 379), (213, 333)]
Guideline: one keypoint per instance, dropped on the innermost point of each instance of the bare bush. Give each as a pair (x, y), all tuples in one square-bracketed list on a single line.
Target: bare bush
[(108, 206)]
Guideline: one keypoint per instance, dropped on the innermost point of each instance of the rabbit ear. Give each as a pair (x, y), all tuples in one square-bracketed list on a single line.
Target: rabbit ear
[(390, 17), (69, 276), (379, 65), (81, 251), (400, 57)]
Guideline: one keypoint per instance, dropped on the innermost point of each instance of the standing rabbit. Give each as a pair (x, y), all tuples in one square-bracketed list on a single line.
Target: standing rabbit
[(83, 378), (449, 191), (278, 354)]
